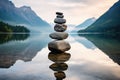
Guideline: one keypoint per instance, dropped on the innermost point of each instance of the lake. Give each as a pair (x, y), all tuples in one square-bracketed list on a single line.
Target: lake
[(91, 57)]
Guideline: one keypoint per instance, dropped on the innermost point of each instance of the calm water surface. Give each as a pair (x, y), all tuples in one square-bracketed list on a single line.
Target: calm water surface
[(91, 57)]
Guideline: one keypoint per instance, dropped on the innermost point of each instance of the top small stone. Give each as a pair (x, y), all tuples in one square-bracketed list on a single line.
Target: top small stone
[(59, 13)]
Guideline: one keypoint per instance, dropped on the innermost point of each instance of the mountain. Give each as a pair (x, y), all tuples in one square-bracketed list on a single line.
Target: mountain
[(85, 24), (30, 16), (22, 16), (108, 22)]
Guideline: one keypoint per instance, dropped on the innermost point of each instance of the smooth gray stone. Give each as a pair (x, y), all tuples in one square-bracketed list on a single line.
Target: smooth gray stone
[(60, 16), (60, 27), (59, 35), (59, 46), (59, 13), (60, 20)]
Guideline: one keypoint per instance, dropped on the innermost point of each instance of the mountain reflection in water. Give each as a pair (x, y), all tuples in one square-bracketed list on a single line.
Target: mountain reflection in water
[(109, 44), (4, 38), (31, 59), (15, 47)]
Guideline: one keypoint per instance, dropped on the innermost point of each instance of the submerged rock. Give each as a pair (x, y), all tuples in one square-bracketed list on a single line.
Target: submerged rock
[(59, 35), (60, 27), (59, 46), (60, 20)]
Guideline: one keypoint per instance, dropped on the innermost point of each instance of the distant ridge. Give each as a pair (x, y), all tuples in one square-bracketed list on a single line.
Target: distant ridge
[(85, 24)]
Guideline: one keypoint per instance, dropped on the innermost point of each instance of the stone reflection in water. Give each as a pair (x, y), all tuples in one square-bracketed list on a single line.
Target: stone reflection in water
[(59, 65), (59, 57), (60, 75)]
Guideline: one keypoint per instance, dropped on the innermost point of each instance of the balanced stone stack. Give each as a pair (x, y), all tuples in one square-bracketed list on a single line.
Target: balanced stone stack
[(59, 45)]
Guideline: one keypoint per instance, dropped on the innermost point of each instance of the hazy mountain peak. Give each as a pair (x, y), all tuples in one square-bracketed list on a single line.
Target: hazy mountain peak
[(93, 18), (90, 19), (25, 8), (84, 25), (87, 22)]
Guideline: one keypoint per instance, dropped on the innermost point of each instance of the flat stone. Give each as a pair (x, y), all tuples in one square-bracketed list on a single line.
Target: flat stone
[(59, 46), (60, 20), (59, 13), (60, 16), (59, 57), (59, 35), (59, 66), (60, 27)]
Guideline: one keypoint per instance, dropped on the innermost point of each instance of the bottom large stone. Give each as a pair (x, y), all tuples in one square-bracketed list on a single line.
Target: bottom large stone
[(59, 46)]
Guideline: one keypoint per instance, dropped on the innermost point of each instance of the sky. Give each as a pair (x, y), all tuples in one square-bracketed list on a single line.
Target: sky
[(75, 11)]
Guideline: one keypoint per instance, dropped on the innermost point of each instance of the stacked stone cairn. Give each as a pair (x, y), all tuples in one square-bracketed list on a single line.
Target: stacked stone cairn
[(59, 44), (58, 48)]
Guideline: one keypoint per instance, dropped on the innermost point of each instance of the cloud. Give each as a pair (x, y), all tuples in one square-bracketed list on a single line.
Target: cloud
[(73, 1), (81, 1), (93, 71), (87, 2), (75, 11)]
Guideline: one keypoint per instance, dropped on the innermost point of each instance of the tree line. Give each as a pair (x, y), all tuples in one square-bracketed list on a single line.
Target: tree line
[(5, 27)]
